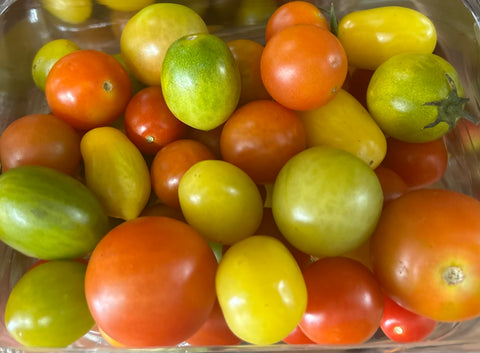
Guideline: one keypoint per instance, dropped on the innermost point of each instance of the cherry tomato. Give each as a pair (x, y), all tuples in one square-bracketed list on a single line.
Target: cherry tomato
[(303, 67), (297, 337), (210, 138), (260, 137), (261, 290), (292, 13), (345, 302), (401, 325), (40, 139), (393, 186), (149, 123), (418, 164), (171, 163), (247, 54), (425, 253), (215, 331), (146, 273), (87, 89)]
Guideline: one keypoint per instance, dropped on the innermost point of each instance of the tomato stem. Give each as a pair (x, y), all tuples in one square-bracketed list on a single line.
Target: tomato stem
[(453, 275), (451, 108)]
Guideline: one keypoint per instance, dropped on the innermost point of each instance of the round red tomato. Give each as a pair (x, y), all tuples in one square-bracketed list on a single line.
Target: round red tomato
[(425, 253), (303, 67), (401, 325), (292, 13), (87, 89), (345, 302), (40, 139), (418, 164), (260, 137), (297, 337), (215, 331), (393, 186), (151, 282), (171, 163), (149, 124)]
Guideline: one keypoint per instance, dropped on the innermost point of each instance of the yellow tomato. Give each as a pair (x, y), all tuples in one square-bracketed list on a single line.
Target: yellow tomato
[(261, 290), (70, 11), (345, 124), (116, 172), (126, 5), (372, 36)]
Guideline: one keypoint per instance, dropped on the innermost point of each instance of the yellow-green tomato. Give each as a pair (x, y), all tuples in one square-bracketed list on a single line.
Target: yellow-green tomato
[(344, 123), (371, 36), (261, 290), (220, 201), (326, 201)]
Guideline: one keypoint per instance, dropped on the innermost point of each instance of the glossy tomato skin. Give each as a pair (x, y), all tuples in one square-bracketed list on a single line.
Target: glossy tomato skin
[(171, 163), (297, 337), (418, 164), (427, 241), (87, 89), (149, 123), (148, 272), (40, 139), (303, 66), (401, 325), (345, 302), (260, 137), (372, 36), (393, 186)]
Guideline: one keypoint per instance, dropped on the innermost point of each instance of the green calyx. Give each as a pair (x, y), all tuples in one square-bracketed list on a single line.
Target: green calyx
[(451, 108)]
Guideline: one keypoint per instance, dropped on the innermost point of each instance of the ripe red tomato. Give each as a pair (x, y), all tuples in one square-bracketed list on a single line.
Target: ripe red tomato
[(87, 89), (151, 282), (425, 253), (292, 13), (260, 137), (345, 302), (418, 164), (401, 325), (303, 67), (40, 139), (149, 124), (297, 337), (210, 138), (393, 186), (215, 331), (171, 163)]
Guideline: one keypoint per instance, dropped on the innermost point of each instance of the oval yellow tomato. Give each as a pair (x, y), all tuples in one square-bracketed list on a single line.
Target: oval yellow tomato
[(126, 5), (69, 11), (345, 124), (116, 172), (261, 290), (371, 36)]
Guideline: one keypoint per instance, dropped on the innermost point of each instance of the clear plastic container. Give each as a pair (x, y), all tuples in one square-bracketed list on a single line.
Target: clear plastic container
[(25, 26)]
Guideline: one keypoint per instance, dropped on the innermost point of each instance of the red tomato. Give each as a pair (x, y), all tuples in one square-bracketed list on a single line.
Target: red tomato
[(149, 124), (210, 138), (160, 209), (401, 325), (418, 164), (303, 67), (87, 89), (40, 139), (293, 13), (425, 253), (297, 337), (345, 302), (247, 54), (215, 331), (171, 163), (393, 185), (151, 282), (260, 137), (357, 83)]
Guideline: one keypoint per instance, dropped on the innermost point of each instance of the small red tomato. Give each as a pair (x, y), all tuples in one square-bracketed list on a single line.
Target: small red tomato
[(40, 139), (345, 302), (149, 124), (87, 89), (297, 337), (260, 137), (392, 184), (171, 163), (402, 325)]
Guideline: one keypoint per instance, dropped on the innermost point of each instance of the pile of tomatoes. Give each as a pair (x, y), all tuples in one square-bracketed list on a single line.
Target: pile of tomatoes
[(256, 193)]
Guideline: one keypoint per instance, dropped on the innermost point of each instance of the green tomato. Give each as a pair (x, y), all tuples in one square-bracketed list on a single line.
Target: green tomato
[(261, 290), (416, 97), (326, 201), (201, 81), (47, 307), (220, 201)]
